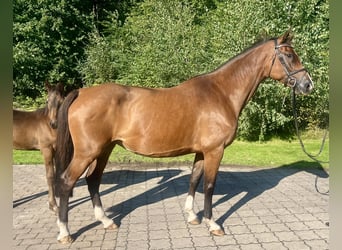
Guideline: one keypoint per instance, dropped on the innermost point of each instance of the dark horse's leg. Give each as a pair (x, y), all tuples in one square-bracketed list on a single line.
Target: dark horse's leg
[(197, 172), (93, 180), (68, 179), (47, 153), (212, 161)]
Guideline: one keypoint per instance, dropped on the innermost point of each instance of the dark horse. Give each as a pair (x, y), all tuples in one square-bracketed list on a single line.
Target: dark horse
[(199, 116), (36, 130)]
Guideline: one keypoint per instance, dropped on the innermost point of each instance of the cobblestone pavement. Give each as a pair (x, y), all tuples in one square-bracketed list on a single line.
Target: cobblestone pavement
[(259, 208)]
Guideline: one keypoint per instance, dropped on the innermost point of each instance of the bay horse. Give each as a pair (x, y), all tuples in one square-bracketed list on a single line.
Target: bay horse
[(36, 130), (199, 116)]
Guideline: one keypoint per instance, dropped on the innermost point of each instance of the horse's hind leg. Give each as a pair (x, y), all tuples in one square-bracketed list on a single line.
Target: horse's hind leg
[(93, 180), (68, 179), (50, 176), (197, 172)]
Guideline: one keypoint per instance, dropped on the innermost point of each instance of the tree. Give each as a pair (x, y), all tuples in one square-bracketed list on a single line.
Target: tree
[(49, 39), (160, 44)]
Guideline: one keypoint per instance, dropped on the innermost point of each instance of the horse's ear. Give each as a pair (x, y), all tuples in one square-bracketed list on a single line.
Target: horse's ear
[(47, 85), (287, 37), (60, 87)]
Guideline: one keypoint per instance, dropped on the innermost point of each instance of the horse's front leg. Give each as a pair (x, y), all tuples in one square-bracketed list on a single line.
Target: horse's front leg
[(196, 174), (47, 153), (211, 164)]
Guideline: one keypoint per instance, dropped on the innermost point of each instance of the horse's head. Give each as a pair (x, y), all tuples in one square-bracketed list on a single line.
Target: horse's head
[(287, 68), (54, 100)]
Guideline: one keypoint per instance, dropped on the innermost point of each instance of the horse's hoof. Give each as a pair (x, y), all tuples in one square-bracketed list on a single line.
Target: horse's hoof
[(112, 227), (66, 240), (217, 232), (194, 222), (54, 209)]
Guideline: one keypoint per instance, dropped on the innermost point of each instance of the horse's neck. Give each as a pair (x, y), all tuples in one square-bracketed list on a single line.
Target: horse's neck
[(240, 78)]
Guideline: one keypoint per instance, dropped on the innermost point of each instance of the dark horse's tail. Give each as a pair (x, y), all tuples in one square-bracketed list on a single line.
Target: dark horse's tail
[(64, 145)]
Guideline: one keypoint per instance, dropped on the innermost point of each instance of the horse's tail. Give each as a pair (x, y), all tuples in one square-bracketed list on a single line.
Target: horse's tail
[(64, 145)]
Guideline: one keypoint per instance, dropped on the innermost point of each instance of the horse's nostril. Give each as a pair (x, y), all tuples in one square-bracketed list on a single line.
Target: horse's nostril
[(308, 87)]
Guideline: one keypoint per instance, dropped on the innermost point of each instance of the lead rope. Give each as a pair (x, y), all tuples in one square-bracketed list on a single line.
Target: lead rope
[(313, 157)]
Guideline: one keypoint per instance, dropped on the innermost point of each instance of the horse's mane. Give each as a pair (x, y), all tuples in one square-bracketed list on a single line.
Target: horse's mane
[(261, 40)]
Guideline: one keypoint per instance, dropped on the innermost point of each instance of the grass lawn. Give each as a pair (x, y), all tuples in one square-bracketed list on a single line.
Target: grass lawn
[(268, 154)]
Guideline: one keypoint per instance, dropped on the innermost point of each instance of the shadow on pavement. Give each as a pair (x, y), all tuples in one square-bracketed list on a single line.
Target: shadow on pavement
[(228, 184)]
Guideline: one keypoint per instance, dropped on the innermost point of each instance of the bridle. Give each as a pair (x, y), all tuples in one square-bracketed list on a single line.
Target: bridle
[(291, 81)]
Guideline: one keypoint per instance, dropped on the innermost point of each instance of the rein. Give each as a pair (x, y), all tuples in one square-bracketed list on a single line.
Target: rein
[(291, 82), (313, 157)]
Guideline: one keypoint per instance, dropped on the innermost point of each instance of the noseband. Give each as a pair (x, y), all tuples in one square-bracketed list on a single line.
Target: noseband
[(291, 81)]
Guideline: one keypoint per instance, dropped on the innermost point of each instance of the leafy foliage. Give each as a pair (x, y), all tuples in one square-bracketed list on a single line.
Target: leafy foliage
[(49, 39), (160, 43)]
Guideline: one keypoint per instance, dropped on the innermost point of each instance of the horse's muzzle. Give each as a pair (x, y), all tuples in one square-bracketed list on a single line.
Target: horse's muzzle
[(304, 85), (304, 88)]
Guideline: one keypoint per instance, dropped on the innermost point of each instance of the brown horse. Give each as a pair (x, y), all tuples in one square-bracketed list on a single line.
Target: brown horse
[(36, 130), (199, 116)]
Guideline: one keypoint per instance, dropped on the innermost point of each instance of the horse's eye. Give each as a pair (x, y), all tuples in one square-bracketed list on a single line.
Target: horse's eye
[(289, 55)]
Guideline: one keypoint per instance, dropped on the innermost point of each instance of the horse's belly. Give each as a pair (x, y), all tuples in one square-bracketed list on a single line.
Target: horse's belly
[(147, 149), (162, 145)]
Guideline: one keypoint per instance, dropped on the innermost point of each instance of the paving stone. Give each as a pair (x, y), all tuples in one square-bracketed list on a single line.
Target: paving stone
[(322, 233), (203, 241), (307, 235), (245, 238), (251, 220), (317, 244), (286, 236), (259, 208), (296, 245), (251, 247), (266, 237), (273, 246), (159, 234), (182, 243), (227, 240), (138, 244), (258, 228), (243, 229), (296, 226), (278, 227)]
